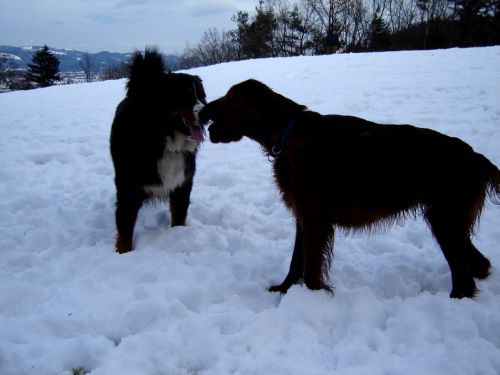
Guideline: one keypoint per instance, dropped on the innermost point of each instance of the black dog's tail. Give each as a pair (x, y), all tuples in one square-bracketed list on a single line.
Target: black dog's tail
[(146, 71)]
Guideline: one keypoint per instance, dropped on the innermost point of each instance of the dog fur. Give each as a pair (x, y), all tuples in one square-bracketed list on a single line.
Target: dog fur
[(154, 140), (343, 172)]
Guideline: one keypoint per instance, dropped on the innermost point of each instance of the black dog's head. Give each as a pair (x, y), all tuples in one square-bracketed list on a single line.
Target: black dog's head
[(180, 95), (247, 109), (187, 98)]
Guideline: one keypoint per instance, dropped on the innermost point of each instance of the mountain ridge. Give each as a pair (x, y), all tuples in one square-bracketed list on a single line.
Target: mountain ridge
[(69, 59)]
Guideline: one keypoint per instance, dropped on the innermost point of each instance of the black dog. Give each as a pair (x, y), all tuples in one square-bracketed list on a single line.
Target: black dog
[(346, 172), (154, 140)]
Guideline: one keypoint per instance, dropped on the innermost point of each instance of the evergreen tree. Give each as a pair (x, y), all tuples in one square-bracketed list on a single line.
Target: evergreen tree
[(44, 70), (294, 41), (380, 37), (259, 36), (476, 21), (239, 35)]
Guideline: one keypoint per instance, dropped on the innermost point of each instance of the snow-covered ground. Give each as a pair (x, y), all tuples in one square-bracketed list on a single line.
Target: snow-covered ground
[(193, 300)]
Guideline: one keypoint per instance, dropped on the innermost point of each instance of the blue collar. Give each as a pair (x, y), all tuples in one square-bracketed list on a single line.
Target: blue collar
[(278, 147)]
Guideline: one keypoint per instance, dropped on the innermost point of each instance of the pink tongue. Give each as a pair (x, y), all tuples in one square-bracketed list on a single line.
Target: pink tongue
[(196, 133)]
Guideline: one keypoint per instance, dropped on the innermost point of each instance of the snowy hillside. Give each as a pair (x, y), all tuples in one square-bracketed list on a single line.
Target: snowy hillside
[(193, 300)]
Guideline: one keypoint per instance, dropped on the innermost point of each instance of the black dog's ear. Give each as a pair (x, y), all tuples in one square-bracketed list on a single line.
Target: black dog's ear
[(200, 91)]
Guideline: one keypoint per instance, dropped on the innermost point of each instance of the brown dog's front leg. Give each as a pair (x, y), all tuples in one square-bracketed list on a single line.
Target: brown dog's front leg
[(296, 271), (318, 238)]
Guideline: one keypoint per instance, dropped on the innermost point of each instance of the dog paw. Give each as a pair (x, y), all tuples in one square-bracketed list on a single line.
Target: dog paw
[(466, 289), (282, 288), (480, 269), (123, 247)]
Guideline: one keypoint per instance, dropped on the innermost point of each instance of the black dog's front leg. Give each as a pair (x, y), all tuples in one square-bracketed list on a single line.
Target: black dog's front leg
[(179, 198), (128, 204), (179, 203), (296, 271)]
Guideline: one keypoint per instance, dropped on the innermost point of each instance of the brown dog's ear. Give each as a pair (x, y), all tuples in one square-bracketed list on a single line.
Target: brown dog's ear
[(260, 100)]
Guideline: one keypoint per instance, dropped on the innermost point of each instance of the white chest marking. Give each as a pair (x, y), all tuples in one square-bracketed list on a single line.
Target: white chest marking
[(171, 165)]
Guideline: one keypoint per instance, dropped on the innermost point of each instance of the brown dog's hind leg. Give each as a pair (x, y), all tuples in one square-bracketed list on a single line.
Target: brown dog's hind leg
[(452, 232), (479, 265), (296, 271)]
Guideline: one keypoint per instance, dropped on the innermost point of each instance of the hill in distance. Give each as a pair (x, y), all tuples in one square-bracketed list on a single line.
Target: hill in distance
[(69, 59)]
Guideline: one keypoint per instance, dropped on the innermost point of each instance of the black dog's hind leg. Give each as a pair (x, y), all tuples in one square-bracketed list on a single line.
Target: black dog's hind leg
[(296, 271)]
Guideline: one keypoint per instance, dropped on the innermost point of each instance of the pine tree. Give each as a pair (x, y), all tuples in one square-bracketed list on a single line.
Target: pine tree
[(239, 35), (44, 70), (259, 35), (380, 37)]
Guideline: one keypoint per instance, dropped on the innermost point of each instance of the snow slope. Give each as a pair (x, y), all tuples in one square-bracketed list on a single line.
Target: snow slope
[(193, 300)]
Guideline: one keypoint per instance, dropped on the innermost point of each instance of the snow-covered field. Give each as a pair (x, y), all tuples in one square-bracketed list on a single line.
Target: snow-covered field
[(193, 300)]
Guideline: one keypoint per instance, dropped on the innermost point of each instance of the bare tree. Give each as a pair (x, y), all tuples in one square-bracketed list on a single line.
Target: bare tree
[(4, 67), (189, 58), (215, 47), (293, 28), (402, 14), (88, 67), (350, 19), (115, 71), (358, 24)]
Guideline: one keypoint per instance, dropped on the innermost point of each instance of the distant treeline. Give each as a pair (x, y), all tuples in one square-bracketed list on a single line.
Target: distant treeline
[(315, 27)]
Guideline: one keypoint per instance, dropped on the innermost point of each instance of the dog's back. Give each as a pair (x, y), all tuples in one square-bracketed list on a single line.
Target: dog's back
[(342, 163), (360, 175)]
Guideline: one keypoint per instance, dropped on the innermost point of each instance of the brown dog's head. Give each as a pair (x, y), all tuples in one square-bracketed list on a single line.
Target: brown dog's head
[(248, 109)]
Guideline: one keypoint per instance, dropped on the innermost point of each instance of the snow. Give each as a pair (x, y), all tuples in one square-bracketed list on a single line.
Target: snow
[(9, 56), (193, 300)]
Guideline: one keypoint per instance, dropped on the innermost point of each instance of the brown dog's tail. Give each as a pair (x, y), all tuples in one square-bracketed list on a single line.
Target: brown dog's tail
[(493, 182), (494, 186)]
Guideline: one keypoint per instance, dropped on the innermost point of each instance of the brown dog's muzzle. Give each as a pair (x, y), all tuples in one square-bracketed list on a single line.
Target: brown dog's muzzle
[(208, 112), (224, 126)]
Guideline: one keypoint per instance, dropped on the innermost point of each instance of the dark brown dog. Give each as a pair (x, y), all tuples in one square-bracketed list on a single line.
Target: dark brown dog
[(346, 172)]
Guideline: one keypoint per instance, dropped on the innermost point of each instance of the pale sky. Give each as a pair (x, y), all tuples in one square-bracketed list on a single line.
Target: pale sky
[(114, 25)]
